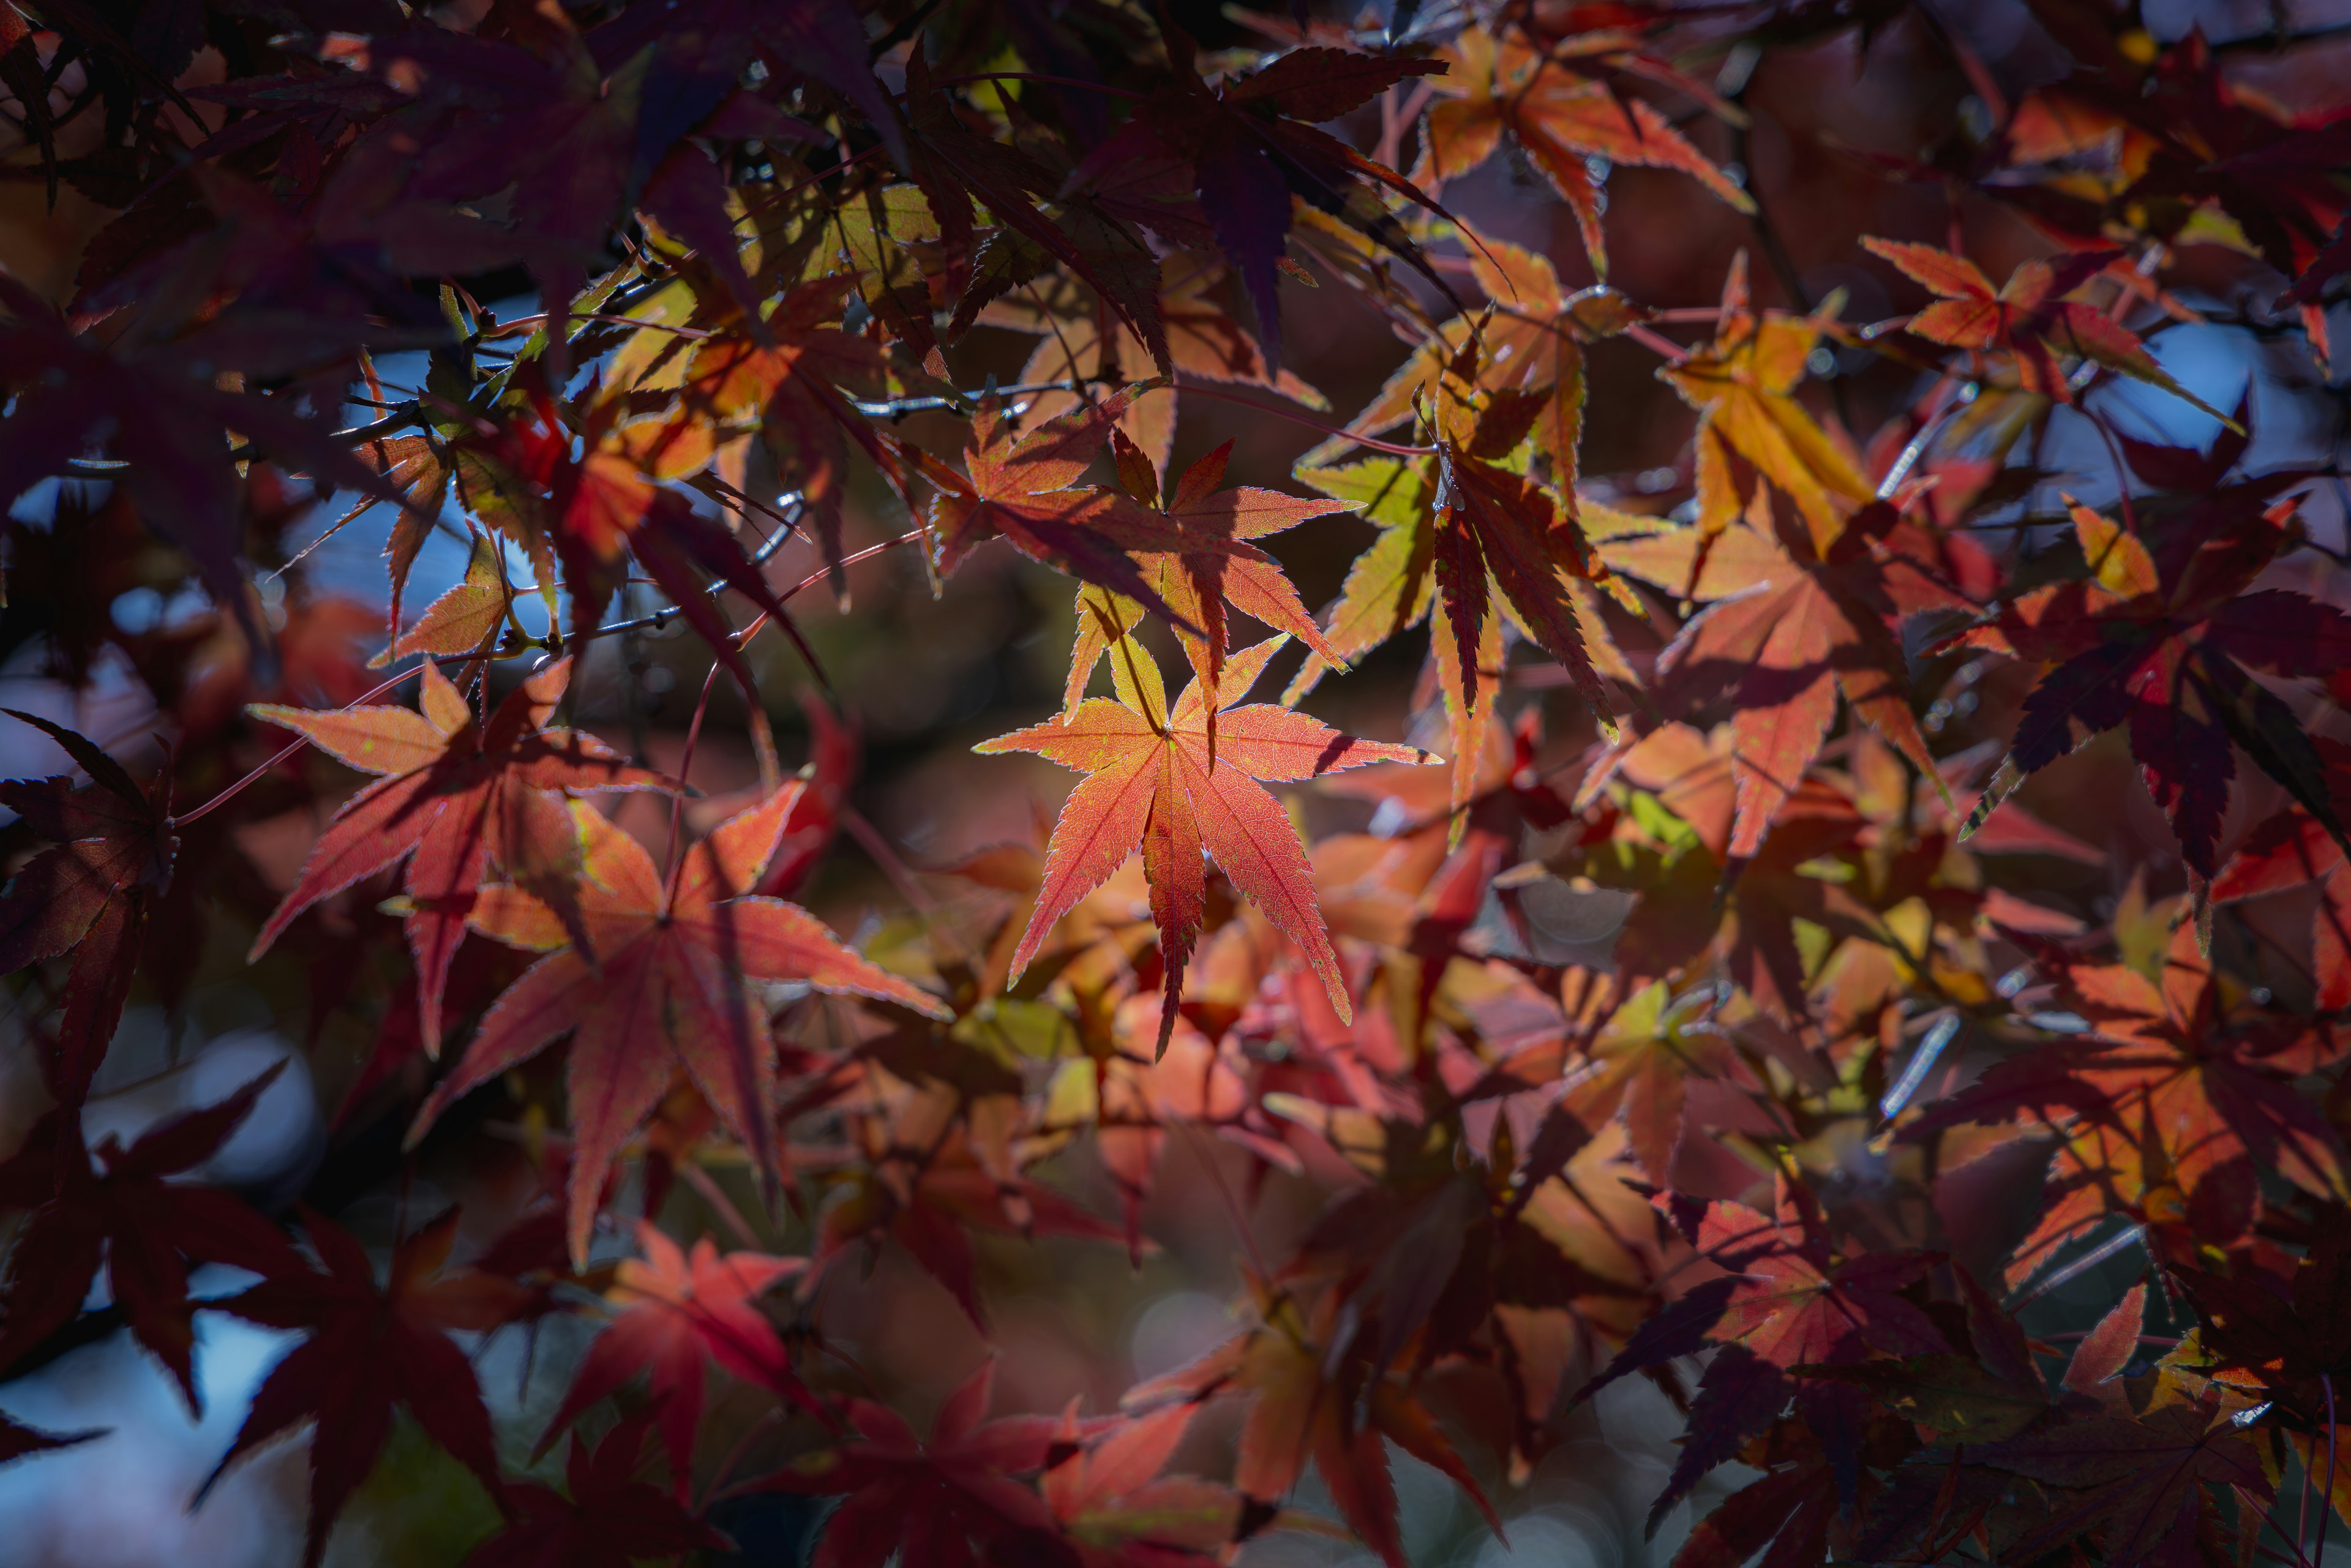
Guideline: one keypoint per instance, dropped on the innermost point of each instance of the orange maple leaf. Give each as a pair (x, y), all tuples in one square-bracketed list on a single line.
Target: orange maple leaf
[(1151, 780), (1743, 385), (1561, 118), (1216, 565), (2029, 317), (1026, 489), (463, 798)]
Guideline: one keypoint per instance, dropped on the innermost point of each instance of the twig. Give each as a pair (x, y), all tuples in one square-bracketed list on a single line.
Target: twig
[(217, 801), (706, 1186), (1207, 1156)]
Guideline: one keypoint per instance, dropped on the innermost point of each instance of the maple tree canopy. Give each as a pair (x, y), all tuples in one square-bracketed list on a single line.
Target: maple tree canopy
[(1635, 714)]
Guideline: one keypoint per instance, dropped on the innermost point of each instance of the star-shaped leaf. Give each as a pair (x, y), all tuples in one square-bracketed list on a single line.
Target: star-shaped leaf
[(459, 799), (1563, 118), (677, 1311), (370, 1348), (611, 1520), (1151, 781), (90, 896), (131, 1211), (671, 987)]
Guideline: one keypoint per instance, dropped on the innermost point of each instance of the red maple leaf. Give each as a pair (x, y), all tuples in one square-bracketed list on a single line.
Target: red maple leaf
[(2292, 849), (1787, 1302), (593, 512), (1216, 565), (127, 1211), (611, 1518), (2164, 638), (676, 1312), (1301, 1405), (1561, 116), (2145, 1482), (459, 799), (1251, 146), (92, 895), (370, 1348), (933, 1214), (953, 1497), (668, 988), (2169, 1102), (789, 383)]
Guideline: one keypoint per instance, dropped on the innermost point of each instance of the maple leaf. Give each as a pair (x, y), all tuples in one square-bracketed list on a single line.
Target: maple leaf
[(1788, 1510), (1786, 1303), (2172, 1092), (92, 895), (467, 618), (1692, 899), (2029, 317), (1216, 567), (2144, 1480), (126, 1212), (2294, 849), (1026, 489), (369, 1349), (458, 799), (670, 987), (952, 1498), (1121, 1512), (1530, 340), (1495, 530), (2290, 1336), (611, 1519), (1390, 587), (952, 165), (932, 1212), (572, 130), (1790, 630), (790, 384), (1300, 1408), (2170, 147), (1251, 147), (1750, 425), (1470, 543), (2164, 638), (1639, 1067), (151, 392), (1561, 116), (1150, 781), (675, 1312), (1076, 344)]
